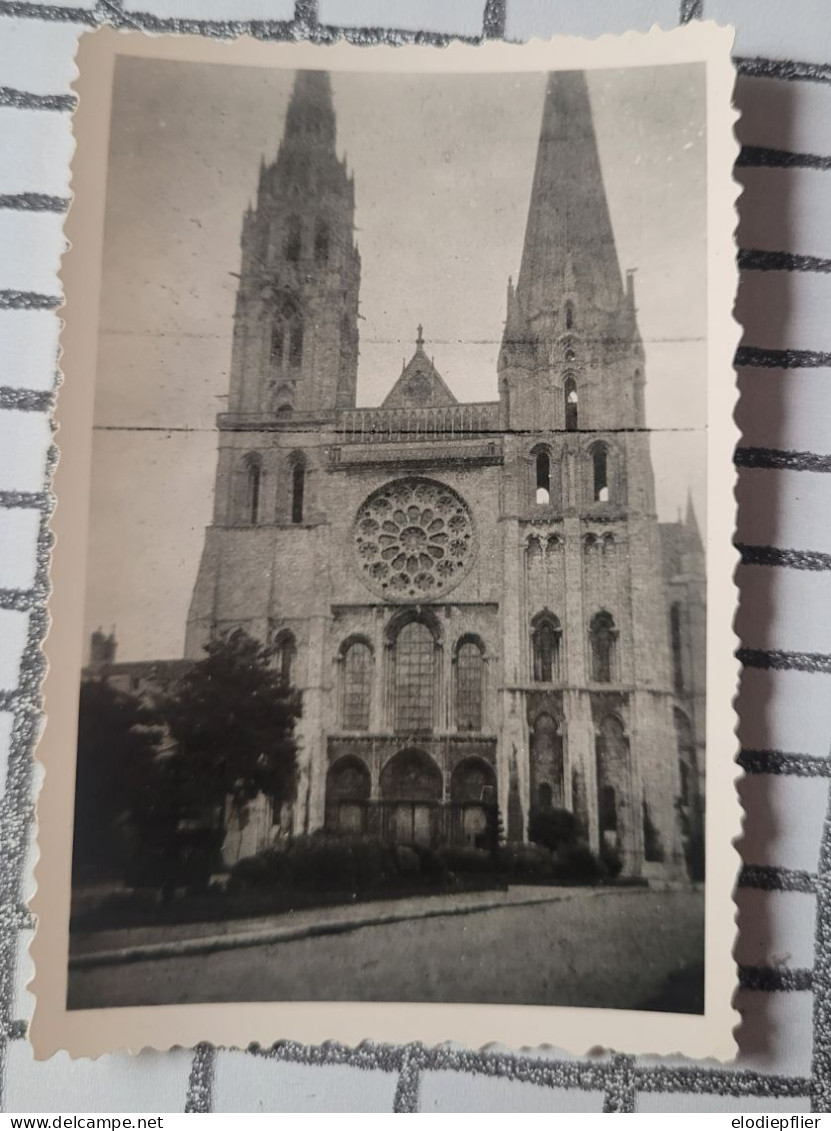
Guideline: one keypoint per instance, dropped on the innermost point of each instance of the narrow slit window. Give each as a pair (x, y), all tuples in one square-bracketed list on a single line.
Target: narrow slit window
[(286, 652), (253, 492), (298, 486), (569, 315), (296, 347), (603, 640), (277, 339), (600, 474), (545, 645), (676, 646), (543, 494), (571, 404)]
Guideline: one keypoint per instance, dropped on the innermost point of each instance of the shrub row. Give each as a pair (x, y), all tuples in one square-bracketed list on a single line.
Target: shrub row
[(332, 863), (326, 863)]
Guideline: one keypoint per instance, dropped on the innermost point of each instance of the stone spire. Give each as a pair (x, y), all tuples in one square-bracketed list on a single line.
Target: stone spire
[(296, 328), (310, 119), (569, 243), (571, 323)]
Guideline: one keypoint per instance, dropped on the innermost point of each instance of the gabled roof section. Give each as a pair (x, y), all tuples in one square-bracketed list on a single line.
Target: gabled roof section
[(420, 384)]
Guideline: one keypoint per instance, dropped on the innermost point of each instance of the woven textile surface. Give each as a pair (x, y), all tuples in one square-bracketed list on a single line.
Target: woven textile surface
[(783, 55)]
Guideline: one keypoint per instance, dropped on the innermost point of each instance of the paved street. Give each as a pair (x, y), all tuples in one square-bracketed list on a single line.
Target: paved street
[(615, 949)]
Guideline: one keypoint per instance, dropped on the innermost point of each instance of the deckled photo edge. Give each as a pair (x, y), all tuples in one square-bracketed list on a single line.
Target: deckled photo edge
[(84, 1033)]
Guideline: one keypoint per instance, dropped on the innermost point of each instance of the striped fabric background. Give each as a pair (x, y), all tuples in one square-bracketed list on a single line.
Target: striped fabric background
[(783, 55)]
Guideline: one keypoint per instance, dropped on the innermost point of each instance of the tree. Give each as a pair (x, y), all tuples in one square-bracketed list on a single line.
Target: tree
[(232, 721), (117, 739)]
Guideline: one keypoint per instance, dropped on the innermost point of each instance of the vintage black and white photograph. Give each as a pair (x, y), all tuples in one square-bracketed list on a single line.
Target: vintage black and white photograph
[(395, 665)]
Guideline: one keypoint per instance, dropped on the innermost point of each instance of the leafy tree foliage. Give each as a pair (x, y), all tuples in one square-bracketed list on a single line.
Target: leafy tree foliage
[(115, 774), (232, 721)]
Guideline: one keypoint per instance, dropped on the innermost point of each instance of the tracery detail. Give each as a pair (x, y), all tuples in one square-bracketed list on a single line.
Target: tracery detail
[(414, 538)]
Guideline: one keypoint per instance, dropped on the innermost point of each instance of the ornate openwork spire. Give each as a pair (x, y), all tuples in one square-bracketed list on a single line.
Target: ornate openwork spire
[(311, 113)]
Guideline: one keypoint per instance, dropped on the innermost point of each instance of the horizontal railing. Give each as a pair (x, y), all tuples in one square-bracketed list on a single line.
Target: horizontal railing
[(382, 425)]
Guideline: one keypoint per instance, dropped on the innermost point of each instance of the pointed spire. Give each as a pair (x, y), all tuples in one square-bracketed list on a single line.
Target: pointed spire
[(691, 529), (311, 114), (512, 320), (569, 231), (420, 338)]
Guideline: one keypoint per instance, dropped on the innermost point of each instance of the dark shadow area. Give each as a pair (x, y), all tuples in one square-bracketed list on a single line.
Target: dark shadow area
[(767, 109)]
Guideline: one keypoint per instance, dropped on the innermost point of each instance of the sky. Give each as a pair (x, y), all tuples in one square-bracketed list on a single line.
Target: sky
[(443, 168)]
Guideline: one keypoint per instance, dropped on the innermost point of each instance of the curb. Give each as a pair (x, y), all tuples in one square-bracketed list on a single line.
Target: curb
[(210, 944)]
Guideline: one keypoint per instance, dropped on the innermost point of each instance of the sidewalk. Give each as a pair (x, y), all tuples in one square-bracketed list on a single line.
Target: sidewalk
[(139, 944)]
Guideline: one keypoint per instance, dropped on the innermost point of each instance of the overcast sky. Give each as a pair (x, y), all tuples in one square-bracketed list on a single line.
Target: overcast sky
[(443, 168)]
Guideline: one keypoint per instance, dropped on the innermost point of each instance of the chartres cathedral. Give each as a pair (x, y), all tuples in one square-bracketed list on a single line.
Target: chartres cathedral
[(476, 600)]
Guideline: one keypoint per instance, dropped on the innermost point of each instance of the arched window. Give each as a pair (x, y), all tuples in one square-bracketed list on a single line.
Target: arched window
[(285, 652), (298, 487), (414, 687), (348, 786), (543, 479), (410, 785), (547, 761), (613, 777), (470, 673), (253, 474), (296, 345), (322, 243), (357, 686), (472, 781), (293, 244), (686, 755), (569, 313), (569, 354), (603, 640), (546, 635), (599, 473), (570, 393), (676, 646)]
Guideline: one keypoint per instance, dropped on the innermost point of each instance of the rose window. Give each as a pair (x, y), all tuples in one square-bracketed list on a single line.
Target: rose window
[(414, 539)]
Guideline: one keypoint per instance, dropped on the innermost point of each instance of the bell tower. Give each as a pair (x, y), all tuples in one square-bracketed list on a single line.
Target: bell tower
[(295, 349), (585, 633)]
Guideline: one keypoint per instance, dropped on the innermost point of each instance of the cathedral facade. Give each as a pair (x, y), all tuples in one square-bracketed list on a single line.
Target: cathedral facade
[(476, 600)]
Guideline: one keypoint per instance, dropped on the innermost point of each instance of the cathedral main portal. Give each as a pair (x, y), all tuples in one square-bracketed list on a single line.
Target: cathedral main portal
[(438, 792)]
